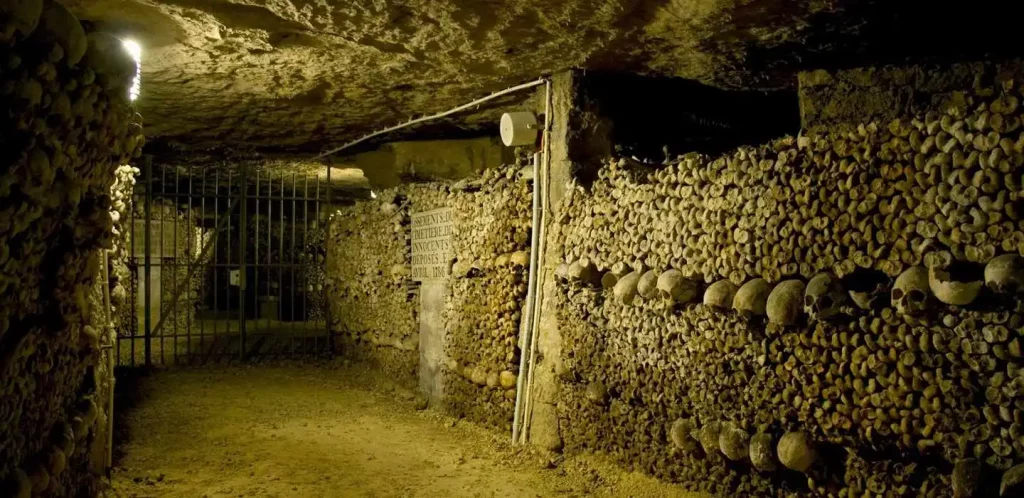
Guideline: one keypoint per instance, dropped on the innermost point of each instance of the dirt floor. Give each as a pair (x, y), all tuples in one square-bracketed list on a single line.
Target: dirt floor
[(301, 431)]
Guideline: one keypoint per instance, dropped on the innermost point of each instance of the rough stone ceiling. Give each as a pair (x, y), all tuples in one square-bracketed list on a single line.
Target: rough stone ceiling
[(305, 74)]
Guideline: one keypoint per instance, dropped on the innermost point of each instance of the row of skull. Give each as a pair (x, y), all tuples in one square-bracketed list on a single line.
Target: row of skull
[(823, 297), (796, 450), (41, 477)]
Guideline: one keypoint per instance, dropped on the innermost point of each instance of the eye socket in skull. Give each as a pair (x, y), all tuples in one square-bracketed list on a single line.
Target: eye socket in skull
[(825, 302)]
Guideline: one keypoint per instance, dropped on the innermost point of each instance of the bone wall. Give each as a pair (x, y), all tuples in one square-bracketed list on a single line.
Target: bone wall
[(68, 126), (835, 313), (375, 305), (487, 298)]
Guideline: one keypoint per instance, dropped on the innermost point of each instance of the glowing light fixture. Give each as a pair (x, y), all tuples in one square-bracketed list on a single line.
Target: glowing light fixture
[(373, 195), (135, 50)]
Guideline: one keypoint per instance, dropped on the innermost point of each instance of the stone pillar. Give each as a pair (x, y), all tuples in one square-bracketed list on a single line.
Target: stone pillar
[(579, 142), (432, 339)]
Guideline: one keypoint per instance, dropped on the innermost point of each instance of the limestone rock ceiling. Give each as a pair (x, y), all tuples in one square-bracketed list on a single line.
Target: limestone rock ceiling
[(304, 74)]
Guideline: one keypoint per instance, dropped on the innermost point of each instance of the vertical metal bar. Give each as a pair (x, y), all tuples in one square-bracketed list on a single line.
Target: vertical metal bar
[(292, 258), (135, 281), (176, 263), (243, 241), (191, 245), (160, 257), (316, 222), (216, 249), (256, 256), (229, 254), (148, 264), (280, 261), (270, 228), (327, 253), (304, 280), (202, 246)]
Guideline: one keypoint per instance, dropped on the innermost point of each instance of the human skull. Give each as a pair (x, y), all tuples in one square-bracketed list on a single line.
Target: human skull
[(720, 294), (734, 442), (761, 454), (708, 436), (910, 291), (785, 302), (647, 287), (625, 289), (1005, 274), (19, 17), (950, 289), (752, 298), (682, 434), (673, 287), (562, 273), (58, 25), (583, 271), (824, 297), (597, 393), (520, 259), (796, 451)]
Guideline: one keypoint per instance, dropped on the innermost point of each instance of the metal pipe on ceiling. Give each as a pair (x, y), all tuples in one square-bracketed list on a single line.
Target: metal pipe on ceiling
[(424, 119)]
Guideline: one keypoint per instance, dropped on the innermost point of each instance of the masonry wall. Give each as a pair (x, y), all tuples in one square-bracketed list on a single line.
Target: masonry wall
[(835, 313), (69, 125)]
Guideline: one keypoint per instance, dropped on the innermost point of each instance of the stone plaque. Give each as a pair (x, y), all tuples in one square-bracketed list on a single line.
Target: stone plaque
[(431, 244)]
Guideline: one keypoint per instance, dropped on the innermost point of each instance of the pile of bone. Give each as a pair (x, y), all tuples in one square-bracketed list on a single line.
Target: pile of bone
[(825, 296), (313, 256), (68, 125), (482, 320), (491, 236), (367, 273), (881, 197), (120, 212), (68, 440), (843, 376), (491, 216)]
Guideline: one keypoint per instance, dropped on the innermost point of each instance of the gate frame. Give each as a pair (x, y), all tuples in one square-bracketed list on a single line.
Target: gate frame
[(237, 198)]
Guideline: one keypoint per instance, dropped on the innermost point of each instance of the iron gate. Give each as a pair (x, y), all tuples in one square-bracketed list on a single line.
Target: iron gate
[(226, 264)]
